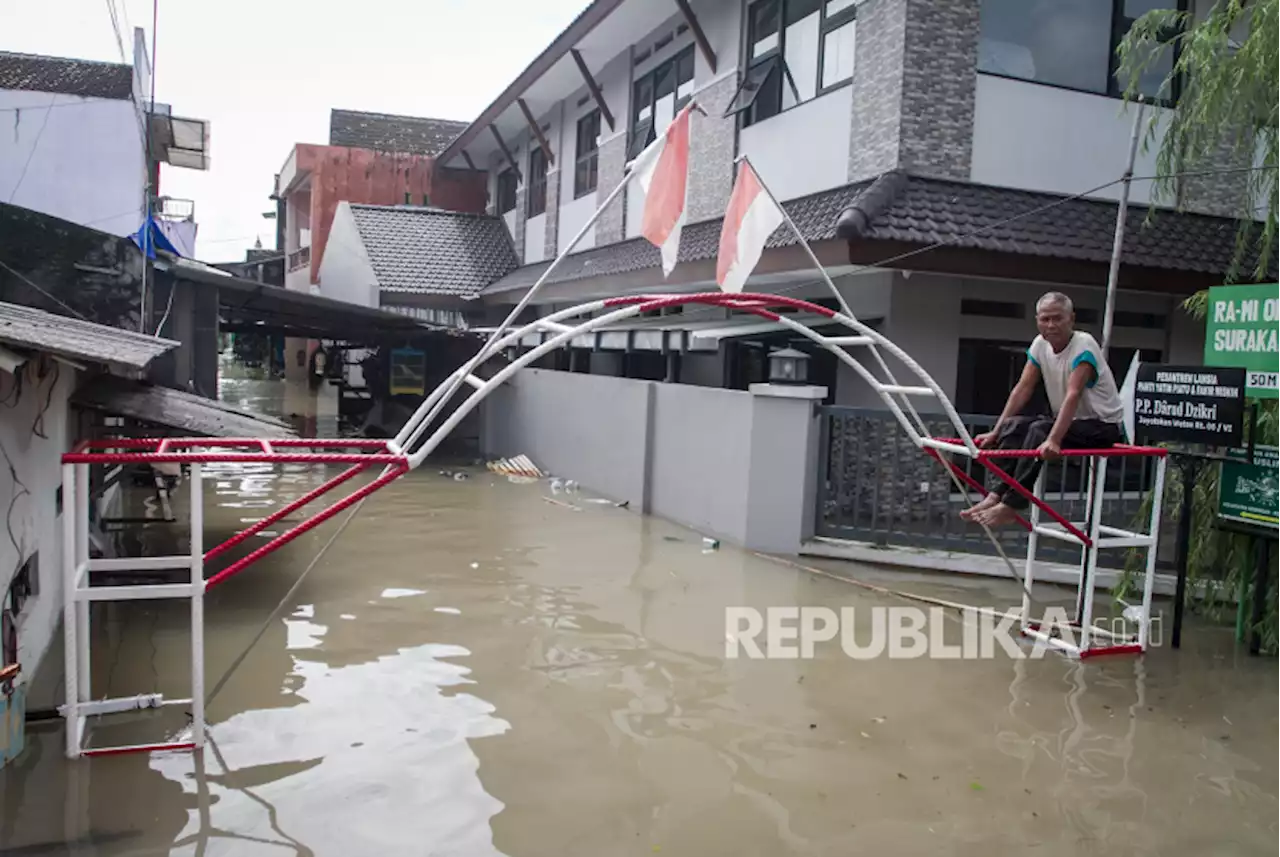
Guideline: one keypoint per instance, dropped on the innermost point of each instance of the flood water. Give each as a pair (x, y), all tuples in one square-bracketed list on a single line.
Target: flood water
[(471, 669)]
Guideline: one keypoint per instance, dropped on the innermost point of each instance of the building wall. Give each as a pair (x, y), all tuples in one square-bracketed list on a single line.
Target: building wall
[(346, 273), (33, 516), (771, 146), (79, 159)]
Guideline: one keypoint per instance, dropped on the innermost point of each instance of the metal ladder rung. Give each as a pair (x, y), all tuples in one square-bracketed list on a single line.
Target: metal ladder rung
[(904, 390)]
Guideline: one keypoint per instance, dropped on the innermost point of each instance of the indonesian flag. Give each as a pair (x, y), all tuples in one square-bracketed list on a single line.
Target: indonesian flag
[(748, 222), (662, 170)]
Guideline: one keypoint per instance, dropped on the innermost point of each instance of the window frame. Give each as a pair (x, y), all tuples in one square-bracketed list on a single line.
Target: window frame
[(635, 142), (536, 190), (1116, 35), (827, 24), (507, 176), (590, 158)]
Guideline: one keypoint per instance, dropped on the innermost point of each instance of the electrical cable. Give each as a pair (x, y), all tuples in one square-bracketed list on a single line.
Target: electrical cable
[(51, 297), (35, 144)]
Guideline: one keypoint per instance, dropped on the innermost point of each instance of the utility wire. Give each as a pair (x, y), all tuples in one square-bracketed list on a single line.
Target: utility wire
[(51, 297), (35, 144)]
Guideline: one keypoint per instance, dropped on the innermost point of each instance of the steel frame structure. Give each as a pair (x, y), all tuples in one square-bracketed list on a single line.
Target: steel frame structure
[(409, 449)]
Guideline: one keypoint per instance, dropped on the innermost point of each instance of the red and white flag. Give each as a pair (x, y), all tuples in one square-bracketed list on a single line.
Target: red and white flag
[(662, 170), (750, 219)]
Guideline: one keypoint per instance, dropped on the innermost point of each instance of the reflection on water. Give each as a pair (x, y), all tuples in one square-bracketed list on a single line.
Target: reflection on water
[(472, 671)]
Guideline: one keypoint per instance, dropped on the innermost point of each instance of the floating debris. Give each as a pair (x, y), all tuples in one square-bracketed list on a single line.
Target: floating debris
[(520, 466)]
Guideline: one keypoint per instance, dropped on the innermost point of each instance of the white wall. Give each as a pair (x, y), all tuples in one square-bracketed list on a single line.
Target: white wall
[(1036, 137), (573, 216), (346, 273), (535, 234), (34, 520), (83, 158), (798, 152)]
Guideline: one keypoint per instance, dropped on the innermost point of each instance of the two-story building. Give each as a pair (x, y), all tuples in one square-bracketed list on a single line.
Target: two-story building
[(76, 144), (885, 127)]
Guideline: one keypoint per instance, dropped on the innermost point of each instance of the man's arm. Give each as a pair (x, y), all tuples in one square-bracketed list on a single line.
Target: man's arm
[(1018, 398), (1080, 378)]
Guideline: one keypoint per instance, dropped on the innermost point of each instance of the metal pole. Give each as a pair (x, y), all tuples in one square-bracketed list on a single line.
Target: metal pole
[(197, 604), (1117, 246), (70, 649), (1189, 468)]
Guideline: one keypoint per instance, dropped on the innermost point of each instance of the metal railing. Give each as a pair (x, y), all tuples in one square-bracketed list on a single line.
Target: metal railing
[(875, 486), (299, 259)]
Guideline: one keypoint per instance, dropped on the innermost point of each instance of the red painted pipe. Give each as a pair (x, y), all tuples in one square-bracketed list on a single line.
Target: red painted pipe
[(281, 513), (286, 537), (973, 483), (1044, 507)]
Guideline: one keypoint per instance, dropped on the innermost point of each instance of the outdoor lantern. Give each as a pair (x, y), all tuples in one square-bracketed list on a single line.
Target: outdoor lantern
[(788, 366)]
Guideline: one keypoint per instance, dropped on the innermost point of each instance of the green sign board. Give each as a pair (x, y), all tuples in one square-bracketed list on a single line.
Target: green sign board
[(1241, 330), (1250, 492)]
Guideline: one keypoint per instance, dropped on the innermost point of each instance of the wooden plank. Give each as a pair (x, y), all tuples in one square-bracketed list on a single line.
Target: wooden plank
[(537, 131), (593, 87), (698, 36), (506, 153)]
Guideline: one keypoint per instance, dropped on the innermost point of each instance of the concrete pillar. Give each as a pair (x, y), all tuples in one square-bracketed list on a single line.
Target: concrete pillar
[(782, 467)]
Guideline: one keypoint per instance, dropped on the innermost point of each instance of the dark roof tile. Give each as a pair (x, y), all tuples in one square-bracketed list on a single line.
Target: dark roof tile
[(65, 76), (387, 133), (432, 251)]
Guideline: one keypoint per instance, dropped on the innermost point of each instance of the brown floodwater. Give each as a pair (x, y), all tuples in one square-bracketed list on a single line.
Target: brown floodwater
[(473, 670)]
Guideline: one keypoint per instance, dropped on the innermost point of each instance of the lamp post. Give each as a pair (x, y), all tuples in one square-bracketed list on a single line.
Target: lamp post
[(788, 366)]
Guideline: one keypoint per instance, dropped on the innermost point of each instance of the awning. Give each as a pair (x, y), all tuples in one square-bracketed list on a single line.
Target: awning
[(248, 305), (25, 327), (183, 413)]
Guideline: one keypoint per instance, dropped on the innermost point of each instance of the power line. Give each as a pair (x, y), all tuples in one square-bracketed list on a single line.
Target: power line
[(51, 297), (30, 155)]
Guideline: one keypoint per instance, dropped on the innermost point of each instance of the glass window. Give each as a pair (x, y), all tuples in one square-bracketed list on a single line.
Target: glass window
[(657, 97), (537, 202), (506, 191), (837, 55), (800, 52), (587, 155), (1069, 43), (764, 28), (1154, 75)]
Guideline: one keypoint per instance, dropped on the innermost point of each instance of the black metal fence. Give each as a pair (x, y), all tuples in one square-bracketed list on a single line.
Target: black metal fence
[(876, 486)]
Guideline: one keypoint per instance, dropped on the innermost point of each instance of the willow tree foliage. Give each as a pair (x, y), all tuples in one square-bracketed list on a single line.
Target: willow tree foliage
[(1225, 84), (1224, 80)]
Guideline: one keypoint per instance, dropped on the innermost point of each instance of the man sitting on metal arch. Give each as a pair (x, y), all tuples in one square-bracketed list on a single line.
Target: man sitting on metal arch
[(1088, 412)]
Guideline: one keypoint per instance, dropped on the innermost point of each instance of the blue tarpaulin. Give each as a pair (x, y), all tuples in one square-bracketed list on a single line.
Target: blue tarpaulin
[(149, 239)]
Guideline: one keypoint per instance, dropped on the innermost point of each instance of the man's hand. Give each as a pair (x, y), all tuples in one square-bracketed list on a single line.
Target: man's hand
[(985, 439), (1050, 451)]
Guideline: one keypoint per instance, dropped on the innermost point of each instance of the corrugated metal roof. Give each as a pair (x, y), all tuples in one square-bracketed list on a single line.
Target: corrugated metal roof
[(25, 327), (186, 413)]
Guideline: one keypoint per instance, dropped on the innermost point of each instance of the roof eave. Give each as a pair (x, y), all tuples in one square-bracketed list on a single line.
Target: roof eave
[(557, 50)]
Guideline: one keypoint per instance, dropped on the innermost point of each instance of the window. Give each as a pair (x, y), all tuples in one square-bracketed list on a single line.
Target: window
[(537, 202), (798, 49), (587, 155), (506, 191), (1068, 43), (657, 97)]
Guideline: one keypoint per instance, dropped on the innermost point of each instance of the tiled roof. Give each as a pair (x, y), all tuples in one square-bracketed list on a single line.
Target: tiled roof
[(186, 413), (913, 209), (25, 327), (432, 251), (386, 133), (907, 208), (814, 215), (65, 76)]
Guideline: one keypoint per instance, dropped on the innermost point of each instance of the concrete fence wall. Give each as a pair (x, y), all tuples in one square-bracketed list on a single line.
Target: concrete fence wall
[(737, 465)]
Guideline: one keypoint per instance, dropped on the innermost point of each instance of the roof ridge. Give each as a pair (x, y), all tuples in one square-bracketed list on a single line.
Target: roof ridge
[(52, 58)]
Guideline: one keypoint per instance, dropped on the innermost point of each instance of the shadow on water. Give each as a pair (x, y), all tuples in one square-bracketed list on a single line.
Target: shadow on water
[(473, 671)]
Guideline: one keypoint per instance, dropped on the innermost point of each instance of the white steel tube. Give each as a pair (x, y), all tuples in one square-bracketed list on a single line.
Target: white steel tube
[(507, 371), (82, 560), (1091, 553), (70, 646), (140, 592), (1157, 503), (1033, 541), (426, 413), (197, 606), (138, 563)]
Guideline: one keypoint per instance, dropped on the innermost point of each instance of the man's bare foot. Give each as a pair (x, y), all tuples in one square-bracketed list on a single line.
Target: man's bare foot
[(982, 505), (997, 516)]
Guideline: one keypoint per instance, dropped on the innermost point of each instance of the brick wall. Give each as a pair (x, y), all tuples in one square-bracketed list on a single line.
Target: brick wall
[(940, 58), (877, 88), (552, 224), (712, 144), (612, 162)]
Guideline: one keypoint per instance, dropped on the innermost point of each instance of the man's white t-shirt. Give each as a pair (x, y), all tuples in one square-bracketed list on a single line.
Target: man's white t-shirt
[(1101, 399)]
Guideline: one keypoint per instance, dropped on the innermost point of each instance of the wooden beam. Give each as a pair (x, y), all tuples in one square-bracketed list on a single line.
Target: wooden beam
[(537, 131), (466, 156), (502, 144), (698, 36), (593, 87)]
